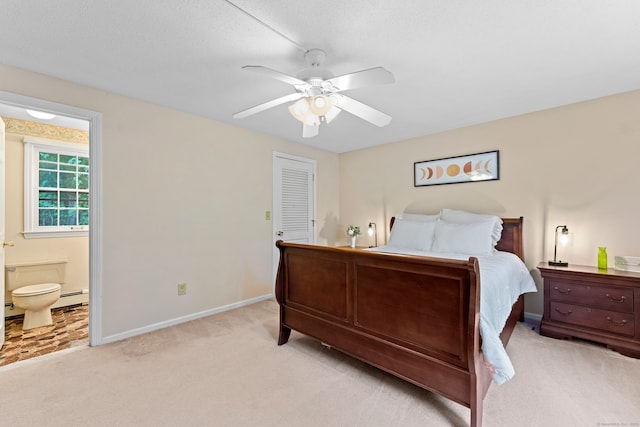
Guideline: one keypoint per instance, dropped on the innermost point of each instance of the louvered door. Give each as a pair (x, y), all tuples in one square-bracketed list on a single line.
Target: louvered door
[(293, 201)]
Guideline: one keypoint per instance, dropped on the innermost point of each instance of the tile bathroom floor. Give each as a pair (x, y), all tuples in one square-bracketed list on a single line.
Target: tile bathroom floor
[(70, 328)]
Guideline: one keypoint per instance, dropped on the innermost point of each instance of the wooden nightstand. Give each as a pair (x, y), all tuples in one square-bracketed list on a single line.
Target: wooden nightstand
[(597, 305)]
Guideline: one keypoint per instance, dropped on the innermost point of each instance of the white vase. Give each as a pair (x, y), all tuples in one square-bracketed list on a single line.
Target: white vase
[(353, 241)]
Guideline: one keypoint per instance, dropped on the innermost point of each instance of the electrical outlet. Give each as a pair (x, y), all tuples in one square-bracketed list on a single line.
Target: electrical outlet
[(182, 288)]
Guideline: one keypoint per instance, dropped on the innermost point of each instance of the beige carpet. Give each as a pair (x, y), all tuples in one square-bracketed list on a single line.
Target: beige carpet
[(226, 370)]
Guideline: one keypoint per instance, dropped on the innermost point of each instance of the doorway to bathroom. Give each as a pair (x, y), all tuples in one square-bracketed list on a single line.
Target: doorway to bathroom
[(75, 316)]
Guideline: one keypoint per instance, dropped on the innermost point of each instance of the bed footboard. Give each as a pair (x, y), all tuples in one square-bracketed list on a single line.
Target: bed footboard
[(414, 317)]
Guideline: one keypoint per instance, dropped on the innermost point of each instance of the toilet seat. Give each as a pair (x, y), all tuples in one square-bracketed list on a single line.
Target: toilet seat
[(39, 289)]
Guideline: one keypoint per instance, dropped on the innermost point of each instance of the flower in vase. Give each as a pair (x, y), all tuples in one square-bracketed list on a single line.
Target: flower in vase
[(353, 231)]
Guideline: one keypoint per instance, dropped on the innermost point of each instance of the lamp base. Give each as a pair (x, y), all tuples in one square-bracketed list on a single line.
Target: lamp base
[(559, 263)]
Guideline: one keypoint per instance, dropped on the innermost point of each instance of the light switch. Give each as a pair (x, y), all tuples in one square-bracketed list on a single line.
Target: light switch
[(267, 215)]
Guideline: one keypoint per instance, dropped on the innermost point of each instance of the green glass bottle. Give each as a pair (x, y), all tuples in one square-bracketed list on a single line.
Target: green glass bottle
[(602, 258)]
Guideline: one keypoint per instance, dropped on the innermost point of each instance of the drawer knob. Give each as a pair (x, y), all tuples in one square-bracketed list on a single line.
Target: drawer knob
[(624, 322), (563, 292), (621, 299), (568, 312)]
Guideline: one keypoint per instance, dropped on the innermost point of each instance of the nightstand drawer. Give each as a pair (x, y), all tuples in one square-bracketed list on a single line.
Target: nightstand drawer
[(605, 320), (604, 297)]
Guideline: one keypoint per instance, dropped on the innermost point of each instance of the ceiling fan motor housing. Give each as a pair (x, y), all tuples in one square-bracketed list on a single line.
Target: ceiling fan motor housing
[(315, 71)]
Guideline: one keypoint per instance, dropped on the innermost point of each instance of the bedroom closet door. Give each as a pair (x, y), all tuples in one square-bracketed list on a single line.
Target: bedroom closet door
[(294, 201)]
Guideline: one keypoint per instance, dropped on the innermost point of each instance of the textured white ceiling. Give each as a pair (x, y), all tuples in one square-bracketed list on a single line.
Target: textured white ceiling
[(456, 62)]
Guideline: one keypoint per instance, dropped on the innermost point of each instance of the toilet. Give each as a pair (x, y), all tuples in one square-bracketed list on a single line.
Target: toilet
[(35, 287)]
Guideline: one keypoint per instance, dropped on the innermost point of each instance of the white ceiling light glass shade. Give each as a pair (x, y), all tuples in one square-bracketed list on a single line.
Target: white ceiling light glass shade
[(311, 111), (299, 109), (334, 110), (319, 105), (40, 114), (311, 120)]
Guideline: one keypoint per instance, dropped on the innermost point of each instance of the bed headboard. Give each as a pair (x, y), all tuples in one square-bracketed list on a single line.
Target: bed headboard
[(511, 239)]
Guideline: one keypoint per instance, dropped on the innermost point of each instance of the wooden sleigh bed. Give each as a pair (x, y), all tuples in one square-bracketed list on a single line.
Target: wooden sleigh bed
[(414, 317)]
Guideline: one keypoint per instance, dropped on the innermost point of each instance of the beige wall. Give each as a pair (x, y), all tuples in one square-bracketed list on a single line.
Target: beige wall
[(184, 199), (573, 165), (74, 249)]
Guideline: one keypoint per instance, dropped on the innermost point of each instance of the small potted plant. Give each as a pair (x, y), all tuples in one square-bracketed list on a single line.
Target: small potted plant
[(353, 231)]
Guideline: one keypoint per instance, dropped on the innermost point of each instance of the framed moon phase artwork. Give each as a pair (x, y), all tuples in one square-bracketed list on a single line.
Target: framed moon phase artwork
[(453, 170)]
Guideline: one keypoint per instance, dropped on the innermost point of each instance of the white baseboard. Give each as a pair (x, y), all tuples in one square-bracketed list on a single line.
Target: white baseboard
[(532, 317), (178, 320), (533, 320)]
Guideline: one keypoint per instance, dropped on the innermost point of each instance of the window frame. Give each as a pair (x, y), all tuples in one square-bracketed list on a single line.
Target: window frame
[(32, 148)]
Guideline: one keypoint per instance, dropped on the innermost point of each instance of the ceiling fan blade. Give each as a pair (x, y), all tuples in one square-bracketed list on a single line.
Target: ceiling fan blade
[(331, 114), (363, 111), (370, 77), (269, 104), (276, 75), (310, 131)]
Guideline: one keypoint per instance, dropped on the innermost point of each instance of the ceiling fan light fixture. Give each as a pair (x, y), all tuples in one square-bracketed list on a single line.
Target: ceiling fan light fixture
[(312, 111), (320, 105), (303, 110), (299, 109), (312, 120)]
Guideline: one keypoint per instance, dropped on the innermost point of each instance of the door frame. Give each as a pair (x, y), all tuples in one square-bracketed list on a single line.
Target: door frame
[(95, 201), (2, 228)]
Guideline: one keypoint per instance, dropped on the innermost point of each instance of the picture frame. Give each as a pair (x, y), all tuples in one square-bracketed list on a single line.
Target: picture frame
[(458, 169)]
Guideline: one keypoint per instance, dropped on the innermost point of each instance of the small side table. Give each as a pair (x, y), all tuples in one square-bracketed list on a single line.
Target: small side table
[(592, 304)]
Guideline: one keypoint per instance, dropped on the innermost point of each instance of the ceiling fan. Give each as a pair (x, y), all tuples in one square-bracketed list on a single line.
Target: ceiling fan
[(318, 94)]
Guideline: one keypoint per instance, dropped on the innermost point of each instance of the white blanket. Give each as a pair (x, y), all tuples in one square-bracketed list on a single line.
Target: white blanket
[(503, 278)]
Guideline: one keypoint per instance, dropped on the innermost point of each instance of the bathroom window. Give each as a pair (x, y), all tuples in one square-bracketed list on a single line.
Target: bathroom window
[(56, 188)]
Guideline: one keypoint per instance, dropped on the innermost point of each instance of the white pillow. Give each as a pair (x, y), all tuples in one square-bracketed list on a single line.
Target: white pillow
[(474, 238), (412, 234), (463, 217), (419, 217)]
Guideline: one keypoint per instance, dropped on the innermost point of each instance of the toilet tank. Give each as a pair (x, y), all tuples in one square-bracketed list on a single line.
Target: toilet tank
[(30, 273)]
